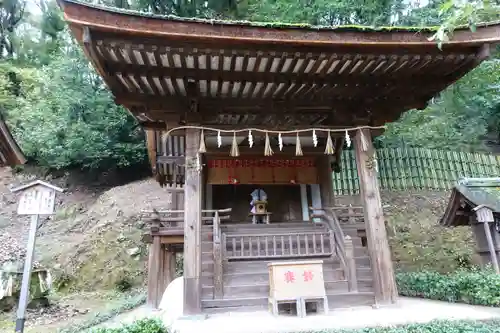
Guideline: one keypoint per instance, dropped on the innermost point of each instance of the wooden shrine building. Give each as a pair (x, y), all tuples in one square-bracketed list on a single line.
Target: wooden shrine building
[(10, 153), (245, 123)]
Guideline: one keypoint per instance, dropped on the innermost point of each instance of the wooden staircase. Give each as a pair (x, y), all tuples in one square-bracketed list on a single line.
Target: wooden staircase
[(245, 275)]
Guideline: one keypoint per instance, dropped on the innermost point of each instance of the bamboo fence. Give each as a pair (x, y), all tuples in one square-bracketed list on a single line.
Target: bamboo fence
[(406, 169)]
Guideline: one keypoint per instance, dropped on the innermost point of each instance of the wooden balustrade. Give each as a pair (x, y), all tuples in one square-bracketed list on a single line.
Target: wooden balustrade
[(166, 222), (217, 250), (344, 247), (278, 245)]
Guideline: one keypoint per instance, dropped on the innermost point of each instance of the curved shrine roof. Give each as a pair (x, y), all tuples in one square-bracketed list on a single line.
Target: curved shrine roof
[(468, 194), (171, 69)]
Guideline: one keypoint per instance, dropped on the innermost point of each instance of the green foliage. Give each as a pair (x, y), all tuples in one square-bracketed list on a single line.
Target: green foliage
[(479, 287), (444, 326), (67, 118), (458, 13), (124, 284), (458, 120), (140, 326)]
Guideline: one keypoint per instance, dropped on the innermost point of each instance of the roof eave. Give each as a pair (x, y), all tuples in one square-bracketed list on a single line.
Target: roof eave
[(15, 156), (119, 21)]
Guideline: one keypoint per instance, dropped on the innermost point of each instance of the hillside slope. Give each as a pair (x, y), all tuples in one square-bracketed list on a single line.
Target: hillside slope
[(93, 242)]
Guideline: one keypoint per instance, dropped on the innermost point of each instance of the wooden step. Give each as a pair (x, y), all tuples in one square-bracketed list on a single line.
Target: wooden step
[(336, 300), (364, 276), (262, 289), (259, 276), (362, 264), (232, 266), (246, 266)]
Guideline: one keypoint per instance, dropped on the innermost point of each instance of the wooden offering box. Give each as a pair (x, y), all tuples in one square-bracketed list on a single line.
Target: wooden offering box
[(296, 281)]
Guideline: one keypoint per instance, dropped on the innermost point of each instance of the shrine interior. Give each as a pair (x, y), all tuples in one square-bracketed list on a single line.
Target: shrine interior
[(284, 202)]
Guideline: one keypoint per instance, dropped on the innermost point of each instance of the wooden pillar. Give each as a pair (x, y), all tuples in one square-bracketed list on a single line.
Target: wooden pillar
[(325, 181), (192, 226), (491, 247), (154, 269), (378, 246), (485, 216)]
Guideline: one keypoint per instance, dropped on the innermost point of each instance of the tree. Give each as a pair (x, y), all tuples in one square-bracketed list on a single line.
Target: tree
[(11, 14), (67, 118)]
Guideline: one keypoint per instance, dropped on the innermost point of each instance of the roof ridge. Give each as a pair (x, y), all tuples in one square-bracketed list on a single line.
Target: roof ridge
[(277, 25), (479, 182)]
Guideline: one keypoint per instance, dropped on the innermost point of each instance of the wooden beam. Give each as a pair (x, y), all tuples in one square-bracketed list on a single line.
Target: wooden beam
[(378, 246), (192, 226), (345, 79), (89, 49), (209, 105)]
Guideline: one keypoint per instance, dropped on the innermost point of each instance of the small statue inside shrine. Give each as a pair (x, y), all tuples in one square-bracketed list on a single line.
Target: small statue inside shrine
[(259, 211)]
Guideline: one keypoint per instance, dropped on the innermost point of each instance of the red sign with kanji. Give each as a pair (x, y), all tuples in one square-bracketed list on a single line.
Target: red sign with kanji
[(308, 276), (289, 277)]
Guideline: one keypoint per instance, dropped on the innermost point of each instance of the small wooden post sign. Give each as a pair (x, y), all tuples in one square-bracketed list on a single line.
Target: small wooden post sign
[(37, 198)]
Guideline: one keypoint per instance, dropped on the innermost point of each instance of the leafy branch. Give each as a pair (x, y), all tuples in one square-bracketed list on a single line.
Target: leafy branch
[(471, 14)]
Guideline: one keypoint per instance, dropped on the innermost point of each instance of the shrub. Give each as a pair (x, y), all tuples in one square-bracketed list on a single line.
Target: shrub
[(490, 326), (124, 284), (479, 287), (140, 326)]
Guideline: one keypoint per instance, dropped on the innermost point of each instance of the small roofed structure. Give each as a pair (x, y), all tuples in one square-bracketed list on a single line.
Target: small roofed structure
[(476, 202), (10, 153)]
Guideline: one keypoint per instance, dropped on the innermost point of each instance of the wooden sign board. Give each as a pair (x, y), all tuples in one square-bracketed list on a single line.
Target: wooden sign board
[(37, 198), (291, 280), (262, 171)]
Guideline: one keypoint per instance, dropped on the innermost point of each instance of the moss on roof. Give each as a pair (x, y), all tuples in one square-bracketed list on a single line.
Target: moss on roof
[(481, 191), (275, 25)]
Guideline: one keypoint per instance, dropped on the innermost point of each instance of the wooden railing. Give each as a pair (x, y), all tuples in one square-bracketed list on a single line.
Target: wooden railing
[(164, 222), (218, 215), (349, 214), (278, 246), (344, 247)]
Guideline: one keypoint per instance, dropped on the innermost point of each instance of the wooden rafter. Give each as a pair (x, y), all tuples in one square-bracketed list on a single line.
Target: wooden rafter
[(161, 68)]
